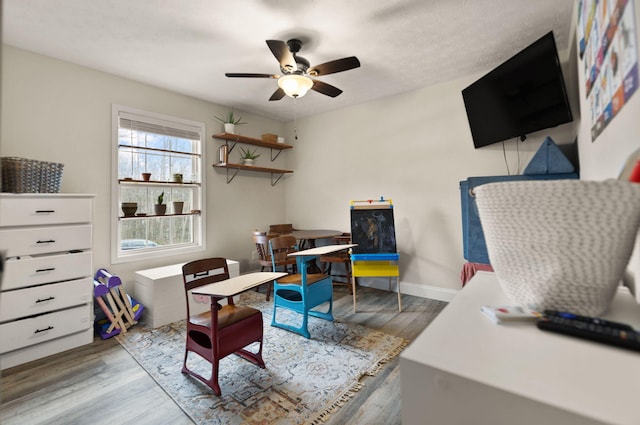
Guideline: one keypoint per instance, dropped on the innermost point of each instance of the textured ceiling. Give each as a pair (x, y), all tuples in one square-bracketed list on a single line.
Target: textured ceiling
[(187, 45)]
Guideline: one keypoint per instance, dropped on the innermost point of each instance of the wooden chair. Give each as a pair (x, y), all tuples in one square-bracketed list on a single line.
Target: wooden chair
[(281, 229), (264, 259), (300, 292), (262, 247), (340, 257), (223, 330)]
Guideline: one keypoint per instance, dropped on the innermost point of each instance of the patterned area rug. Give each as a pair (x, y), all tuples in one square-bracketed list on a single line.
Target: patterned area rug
[(303, 383)]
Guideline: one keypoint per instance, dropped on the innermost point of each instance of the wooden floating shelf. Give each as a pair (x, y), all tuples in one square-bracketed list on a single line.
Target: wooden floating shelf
[(236, 138), (156, 215), (251, 141), (252, 168), (238, 167), (157, 182)]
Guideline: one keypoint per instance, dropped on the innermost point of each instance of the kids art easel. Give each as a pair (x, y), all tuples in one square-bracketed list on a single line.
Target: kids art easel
[(122, 311), (376, 255)]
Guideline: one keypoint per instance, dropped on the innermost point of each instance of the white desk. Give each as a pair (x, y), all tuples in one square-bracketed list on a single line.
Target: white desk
[(235, 285), (321, 250), (307, 256), (464, 369)]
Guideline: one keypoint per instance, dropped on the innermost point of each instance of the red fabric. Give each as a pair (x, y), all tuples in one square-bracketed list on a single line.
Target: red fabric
[(469, 269), (635, 173)]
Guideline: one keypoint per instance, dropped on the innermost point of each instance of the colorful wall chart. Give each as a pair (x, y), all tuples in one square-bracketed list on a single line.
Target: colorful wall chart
[(607, 42)]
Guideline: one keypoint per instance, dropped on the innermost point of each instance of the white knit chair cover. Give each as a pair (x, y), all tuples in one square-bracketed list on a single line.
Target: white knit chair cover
[(560, 244)]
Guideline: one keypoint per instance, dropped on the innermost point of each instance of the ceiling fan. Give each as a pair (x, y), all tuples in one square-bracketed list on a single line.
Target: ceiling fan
[(296, 80)]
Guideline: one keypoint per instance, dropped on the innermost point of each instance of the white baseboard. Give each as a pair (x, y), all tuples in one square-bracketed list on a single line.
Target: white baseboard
[(409, 288)]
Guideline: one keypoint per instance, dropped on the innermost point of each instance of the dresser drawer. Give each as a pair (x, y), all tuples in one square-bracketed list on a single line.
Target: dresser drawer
[(44, 240), (44, 210), (30, 271), (34, 330), (41, 299)]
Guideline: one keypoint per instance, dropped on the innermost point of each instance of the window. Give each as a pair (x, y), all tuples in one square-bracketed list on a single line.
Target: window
[(170, 150)]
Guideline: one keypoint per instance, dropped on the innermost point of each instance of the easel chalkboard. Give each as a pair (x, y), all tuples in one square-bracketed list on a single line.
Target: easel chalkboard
[(374, 232)]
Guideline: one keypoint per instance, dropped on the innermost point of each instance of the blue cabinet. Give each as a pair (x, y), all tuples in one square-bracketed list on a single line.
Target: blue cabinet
[(548, 163), (475, 249)]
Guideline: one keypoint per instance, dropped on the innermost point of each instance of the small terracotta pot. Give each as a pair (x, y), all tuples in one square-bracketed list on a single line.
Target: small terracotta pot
[(177, 207), (160, 209), (129, 208)]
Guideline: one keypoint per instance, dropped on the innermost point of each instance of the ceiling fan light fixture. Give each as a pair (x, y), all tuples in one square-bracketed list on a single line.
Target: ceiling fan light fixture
[(295, 85), (297, 77)]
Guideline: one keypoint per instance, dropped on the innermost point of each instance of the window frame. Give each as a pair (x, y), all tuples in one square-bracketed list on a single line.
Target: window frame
[(199, 223)]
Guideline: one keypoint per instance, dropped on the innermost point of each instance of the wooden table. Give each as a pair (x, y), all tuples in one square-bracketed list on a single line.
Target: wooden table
[(313, 235), (310, 237), (236, 285)]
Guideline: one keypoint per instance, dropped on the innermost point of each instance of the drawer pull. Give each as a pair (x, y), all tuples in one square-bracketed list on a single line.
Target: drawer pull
[(50, 269), (49, 241), (46, 299), (48, 328), (45, 211)]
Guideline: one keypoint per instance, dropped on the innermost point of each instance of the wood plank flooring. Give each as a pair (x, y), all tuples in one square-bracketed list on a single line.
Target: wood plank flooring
[(100, 383)]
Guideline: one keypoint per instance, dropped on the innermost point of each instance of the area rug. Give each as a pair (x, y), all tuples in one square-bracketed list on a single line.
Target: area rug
[(304, 382)]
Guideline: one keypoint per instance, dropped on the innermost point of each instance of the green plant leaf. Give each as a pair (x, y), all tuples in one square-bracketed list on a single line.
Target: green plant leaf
[(230, 118), (249, 153)]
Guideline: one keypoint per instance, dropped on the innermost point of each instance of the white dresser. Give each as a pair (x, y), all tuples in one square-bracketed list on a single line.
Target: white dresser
[(465, 369), (46, 298)]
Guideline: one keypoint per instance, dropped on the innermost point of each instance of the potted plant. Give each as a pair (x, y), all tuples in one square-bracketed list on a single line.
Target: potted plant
[(129, 208), (248, 156), (230, 120), (160, 207), (178, 204)]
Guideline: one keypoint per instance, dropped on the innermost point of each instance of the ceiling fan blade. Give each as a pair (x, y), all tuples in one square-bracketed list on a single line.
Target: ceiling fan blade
[(248, 75), (325, 88), (281, 51), (334, 66), (277, 95)]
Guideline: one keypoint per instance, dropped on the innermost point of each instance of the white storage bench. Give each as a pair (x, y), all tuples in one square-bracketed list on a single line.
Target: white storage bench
[(161, 292)]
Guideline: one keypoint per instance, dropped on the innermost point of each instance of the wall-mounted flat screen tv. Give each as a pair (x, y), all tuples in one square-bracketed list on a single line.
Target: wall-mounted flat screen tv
[(523, 95)]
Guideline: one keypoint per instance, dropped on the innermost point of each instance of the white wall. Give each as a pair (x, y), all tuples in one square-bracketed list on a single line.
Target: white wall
[(60, 112), (57, 111), (413, 148), (604, 158)]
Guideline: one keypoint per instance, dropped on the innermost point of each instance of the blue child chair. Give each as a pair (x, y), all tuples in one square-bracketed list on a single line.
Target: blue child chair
[(300, 292)]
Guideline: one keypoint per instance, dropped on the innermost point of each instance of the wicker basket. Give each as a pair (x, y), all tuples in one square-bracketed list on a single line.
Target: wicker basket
[(20, 175), (560, 244), (269, 138)]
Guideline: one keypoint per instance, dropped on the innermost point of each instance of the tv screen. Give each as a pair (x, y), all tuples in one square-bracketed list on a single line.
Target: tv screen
[(523, 95)]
